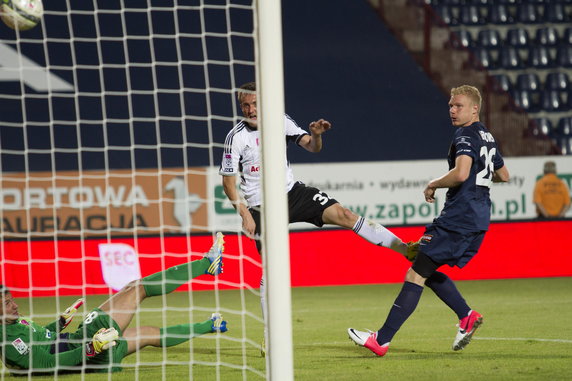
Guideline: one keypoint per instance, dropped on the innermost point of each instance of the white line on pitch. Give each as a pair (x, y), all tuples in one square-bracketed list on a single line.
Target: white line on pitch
[(523, 339)]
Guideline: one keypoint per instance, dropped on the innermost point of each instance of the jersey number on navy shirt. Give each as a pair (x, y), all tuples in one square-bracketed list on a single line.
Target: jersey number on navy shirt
[(485, 177)]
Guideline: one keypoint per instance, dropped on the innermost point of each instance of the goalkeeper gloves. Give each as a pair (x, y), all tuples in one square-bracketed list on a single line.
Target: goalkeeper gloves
[(102, 341), (67, 316)]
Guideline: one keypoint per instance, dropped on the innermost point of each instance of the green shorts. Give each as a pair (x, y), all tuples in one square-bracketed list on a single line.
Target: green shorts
[(96, 320)]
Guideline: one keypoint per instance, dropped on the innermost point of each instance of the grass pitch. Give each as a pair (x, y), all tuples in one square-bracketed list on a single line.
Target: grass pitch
[(526, 335)]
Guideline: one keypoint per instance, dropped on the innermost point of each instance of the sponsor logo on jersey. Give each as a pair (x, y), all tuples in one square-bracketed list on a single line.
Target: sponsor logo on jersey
[(254, 168), (426, 238), (463, 140), (21, 346), (228, 160)]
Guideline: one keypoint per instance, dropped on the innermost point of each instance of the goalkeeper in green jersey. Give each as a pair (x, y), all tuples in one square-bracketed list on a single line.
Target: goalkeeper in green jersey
[(104, 338)]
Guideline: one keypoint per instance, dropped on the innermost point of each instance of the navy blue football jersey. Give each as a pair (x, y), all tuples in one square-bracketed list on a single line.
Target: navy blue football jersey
[(468, 206)]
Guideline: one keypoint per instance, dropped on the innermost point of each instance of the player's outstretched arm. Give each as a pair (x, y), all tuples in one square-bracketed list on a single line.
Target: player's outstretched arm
[(313, 142), (42, 359)]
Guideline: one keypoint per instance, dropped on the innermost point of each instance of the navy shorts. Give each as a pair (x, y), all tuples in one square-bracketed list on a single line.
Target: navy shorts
[(449, 247), (305, 204)]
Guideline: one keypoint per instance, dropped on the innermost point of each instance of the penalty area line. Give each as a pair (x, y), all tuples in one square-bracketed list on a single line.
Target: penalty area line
[(524, 339)]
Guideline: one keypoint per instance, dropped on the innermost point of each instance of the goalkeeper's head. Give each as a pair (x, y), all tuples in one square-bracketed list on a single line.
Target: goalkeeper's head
[(8, 307)]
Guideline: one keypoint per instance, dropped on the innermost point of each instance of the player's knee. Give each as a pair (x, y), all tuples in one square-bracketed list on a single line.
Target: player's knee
[(348, 214), (135, 286), (338, 215), (347, 217), (413, 277)]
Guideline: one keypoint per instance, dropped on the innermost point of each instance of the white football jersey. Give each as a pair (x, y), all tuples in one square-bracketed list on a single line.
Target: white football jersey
[(242, 156)]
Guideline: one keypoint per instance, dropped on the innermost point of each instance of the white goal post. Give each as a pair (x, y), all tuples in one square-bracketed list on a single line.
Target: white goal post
[(274, 209)]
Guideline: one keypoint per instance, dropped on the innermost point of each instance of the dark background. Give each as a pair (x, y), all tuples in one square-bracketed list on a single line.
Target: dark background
[(153, 85)]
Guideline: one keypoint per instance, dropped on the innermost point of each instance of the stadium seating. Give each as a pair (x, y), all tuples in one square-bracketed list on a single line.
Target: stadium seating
[(500, 83), (517, 37), (553, 101), (528, 13), (539, 57), (525, 100), (483, 59), (554, 13), (557, 81), (567, 36), (529, 82), (510, 58), (499, 15), (489, 38), (447, 15), (526, 45), (565, 144), (539, 127), (564, 128), (564, 56), (460, 39), (472, 15), (547, 36)]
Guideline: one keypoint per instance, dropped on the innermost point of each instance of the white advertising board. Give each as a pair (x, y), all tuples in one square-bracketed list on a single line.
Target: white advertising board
[(392, 192)]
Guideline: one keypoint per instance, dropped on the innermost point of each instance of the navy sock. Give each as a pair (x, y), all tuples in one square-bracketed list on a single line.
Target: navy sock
[(403, 307), (445, 289)]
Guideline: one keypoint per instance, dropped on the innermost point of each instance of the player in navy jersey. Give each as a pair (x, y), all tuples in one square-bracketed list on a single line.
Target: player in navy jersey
[(456, 234), (305, 204)]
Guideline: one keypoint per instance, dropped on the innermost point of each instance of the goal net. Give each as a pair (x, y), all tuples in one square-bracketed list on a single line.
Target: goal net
[(112, 122)]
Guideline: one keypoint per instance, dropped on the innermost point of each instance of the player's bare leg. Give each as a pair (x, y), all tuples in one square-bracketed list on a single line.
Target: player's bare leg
[(340, 216), (122, 306), (371, 231)]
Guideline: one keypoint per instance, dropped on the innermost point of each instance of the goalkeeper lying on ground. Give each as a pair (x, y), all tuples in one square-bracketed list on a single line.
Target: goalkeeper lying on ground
[(103, 339)]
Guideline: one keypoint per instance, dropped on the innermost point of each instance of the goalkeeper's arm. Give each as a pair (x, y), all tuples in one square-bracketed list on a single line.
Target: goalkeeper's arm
[(66, 317), (43, 359)]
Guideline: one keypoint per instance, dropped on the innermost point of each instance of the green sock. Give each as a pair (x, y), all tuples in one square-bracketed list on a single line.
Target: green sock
[(169, 280), (182, 333)]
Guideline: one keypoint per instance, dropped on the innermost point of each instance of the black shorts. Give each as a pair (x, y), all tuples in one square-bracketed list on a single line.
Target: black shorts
[(305, 204)]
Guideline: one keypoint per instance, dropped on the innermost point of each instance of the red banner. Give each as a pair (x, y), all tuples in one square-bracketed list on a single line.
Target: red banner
[(510, 250), (318, 258)]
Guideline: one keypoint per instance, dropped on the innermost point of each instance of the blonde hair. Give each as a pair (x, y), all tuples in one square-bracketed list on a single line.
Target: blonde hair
[(470, 91)]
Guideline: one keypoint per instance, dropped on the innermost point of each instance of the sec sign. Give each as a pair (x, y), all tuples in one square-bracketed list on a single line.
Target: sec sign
[(119, 264)]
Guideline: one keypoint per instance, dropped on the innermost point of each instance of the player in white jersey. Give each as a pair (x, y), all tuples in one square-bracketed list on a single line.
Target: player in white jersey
[(305, 204)]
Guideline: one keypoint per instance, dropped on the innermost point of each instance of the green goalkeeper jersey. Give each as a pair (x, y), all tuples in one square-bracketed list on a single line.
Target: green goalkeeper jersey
[(27, 345)]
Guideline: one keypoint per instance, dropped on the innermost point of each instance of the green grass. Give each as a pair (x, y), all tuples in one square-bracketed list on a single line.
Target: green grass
[(527, 335)]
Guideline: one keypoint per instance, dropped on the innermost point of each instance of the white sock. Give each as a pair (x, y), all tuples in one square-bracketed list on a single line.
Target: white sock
[(379, 235)]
